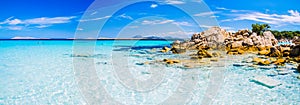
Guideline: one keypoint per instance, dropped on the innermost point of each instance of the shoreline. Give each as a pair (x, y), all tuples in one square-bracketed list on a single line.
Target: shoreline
[(93, 39)]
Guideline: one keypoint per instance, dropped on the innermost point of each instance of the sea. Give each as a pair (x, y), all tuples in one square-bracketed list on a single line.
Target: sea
[(132, 72)]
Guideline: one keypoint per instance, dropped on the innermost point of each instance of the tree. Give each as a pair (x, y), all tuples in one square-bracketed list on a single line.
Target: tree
[(260, 28), (276, 33)]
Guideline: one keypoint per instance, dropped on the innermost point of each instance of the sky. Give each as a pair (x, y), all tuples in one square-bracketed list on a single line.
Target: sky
[(29, 19)]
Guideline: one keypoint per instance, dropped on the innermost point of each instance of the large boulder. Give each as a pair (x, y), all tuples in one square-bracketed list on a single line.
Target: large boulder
[(248, 42), (295, 52), (215, 35), (244, 32), (257, 40), (274, 52), (270, 39), (236, 44), (285, 51), (268, 35)]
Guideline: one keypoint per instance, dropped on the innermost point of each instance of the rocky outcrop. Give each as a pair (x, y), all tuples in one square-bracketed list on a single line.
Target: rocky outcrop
[(212, 38), (244, 38), (240, 42)]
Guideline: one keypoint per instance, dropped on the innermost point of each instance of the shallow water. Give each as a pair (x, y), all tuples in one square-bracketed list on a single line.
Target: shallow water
[(47, 72)]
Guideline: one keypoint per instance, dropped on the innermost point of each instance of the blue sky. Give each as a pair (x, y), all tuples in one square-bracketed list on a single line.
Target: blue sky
[(60, 18)]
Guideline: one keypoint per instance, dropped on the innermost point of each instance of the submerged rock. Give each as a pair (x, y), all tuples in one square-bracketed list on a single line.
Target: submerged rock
[(298, 68), (196, 57), (204, 54), (239, 64), (280, 61), (284, 72), (168, 61), (235, 51), (260, 61), (165, 49), (266, 81), (178, 50), (216, 54), (265, 62), (214, 59)]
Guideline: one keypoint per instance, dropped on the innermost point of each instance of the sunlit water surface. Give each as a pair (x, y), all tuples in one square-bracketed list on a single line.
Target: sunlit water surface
[(41, 72)]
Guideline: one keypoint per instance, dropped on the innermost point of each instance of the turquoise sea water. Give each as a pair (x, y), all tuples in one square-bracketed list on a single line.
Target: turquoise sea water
[(44, 72)]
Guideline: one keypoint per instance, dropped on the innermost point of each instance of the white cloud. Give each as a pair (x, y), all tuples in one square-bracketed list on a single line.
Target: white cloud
[(237, 11), (94, 13), (206, 13), (267, 10), (199, 1), (14, 22), (182, 23), (7, 20), (47, 20), (155, 22), (180, 33), (133, 27), (275, 19), (227, 28), (42, 26), (21, 37), (153, 5), (15, 27), (42, 22), (223, 27), (206, 26), (214, 16), (294, 13), (222, 8), (94, 19), (126, 17), (231, 10), (79, 29), (174, 2)]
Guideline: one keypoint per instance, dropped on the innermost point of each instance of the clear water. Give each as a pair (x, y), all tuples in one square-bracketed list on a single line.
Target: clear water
[(42, 72)]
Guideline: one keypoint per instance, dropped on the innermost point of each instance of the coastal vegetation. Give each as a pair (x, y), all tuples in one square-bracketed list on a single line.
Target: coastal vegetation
[(286, 34), (260, 28)]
